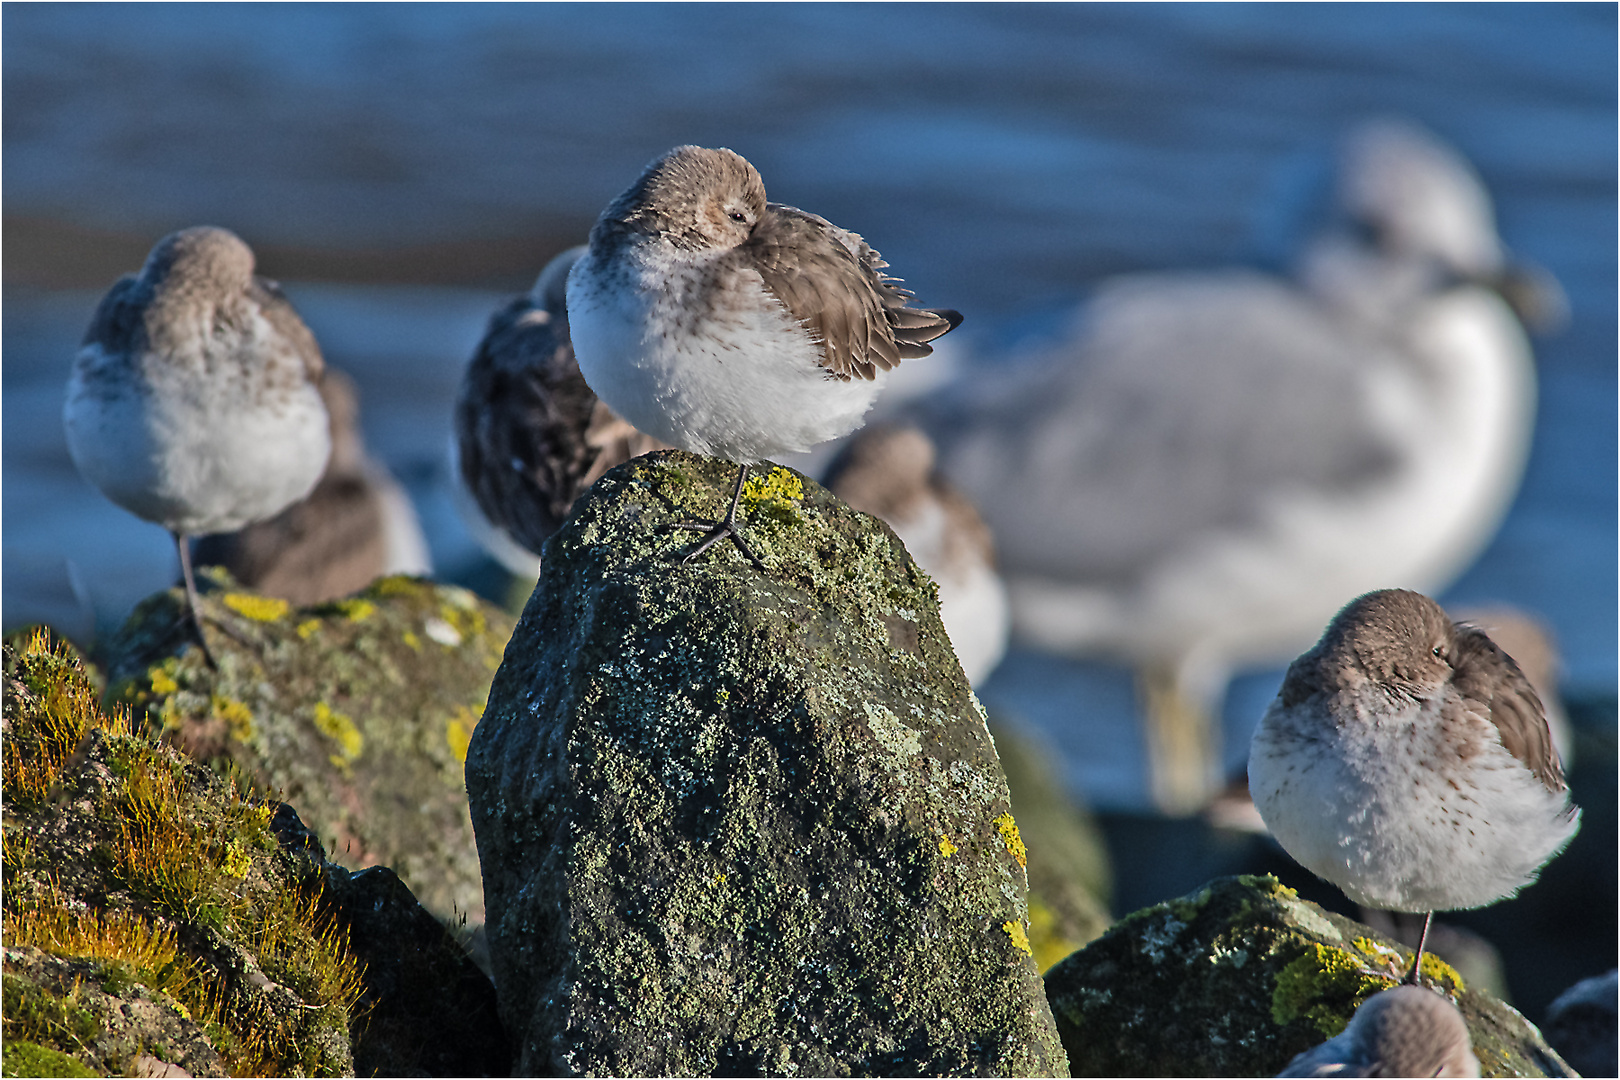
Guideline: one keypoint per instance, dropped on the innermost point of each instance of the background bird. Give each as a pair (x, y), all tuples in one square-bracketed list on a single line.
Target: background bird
[(194, 401), (887, 471), (356, 525), (530, 435), (1402, 1031), (1210, 463)]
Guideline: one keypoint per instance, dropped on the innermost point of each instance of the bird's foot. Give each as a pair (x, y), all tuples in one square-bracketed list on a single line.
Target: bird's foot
[(714, 534), (726, 528)]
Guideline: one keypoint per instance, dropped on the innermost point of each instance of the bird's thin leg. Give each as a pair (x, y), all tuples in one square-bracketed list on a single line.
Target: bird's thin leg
[(1417, 957), (193, 608), (728, 527)]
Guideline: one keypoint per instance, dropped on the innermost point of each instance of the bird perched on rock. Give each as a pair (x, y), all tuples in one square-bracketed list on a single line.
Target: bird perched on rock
[(194, 401), (727, 325), (530, 435), (888, 471), (1210, 462), (1406, 760), (356, 526), (1402, 1031)]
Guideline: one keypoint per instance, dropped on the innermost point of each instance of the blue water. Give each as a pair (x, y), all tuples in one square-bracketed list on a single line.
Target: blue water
[(1005, 158)]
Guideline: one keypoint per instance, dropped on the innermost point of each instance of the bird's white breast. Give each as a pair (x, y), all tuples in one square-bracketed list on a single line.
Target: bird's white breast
[(727, 374)]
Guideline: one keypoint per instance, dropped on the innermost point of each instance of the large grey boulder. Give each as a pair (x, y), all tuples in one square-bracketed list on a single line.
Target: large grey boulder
[(734, 822)]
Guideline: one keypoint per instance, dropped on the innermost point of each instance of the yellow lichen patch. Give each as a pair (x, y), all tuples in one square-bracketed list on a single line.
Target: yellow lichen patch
[(257, 608), (1020, 939), (458, 732), (237, 716), (946, 848), (1323, 986), (395, 585), (1437, 970), (779, 487), (722, 696), (237, 860), (357, 609), (338, 727), (412, 641), (1009, 836), (162, 678), (307, 628)]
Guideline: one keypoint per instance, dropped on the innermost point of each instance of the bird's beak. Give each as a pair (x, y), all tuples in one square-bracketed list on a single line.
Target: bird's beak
[(1534, 295)]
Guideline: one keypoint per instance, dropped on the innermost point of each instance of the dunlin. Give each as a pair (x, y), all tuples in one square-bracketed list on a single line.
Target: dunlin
[(1402, 1031), (1406, 760), (888, 471), (356, 526), (1205, 467), (194, 401), (727, 325), (530, 434)]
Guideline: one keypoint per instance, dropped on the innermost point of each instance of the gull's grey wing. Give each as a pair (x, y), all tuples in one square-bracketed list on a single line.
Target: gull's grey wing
[(1183, 404), (832, 282)]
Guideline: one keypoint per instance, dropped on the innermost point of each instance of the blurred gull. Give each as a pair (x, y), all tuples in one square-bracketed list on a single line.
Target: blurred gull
[(530, 436), (888, 471), (356, 526), (1212, 464)]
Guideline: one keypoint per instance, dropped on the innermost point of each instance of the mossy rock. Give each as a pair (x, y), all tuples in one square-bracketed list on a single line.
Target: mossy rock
[(1239, 977), (1069, 876), (155, 915), (358, 712), (742, 822), (146, 902)]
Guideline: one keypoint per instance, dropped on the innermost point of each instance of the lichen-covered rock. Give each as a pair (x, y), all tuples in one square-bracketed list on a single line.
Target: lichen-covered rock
[(1069, 876), (358, 712), (1238, 977), (166, 906), (740, 822), (157, 919)]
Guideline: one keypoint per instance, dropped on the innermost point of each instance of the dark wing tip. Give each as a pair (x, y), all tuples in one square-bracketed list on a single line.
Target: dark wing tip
[(950, 316)]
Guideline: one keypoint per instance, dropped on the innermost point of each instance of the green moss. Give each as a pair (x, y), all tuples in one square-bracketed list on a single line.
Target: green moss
[(184, 877), (19, 1057)]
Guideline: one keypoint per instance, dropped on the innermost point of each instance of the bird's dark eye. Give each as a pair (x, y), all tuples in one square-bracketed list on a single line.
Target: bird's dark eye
[(1439, 651), (738, 216)]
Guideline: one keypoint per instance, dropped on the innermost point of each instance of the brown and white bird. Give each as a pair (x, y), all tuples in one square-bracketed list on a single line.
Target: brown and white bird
[(530, 435), (356, 526), (887, 471), (1402, 1031), (194, 401), (727, 325), (1407, 761)]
